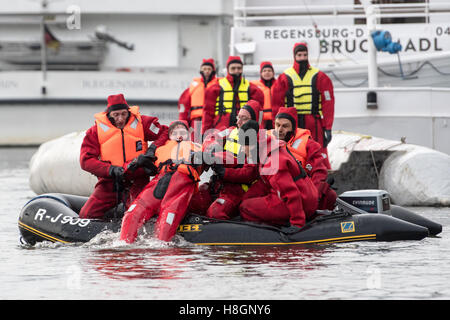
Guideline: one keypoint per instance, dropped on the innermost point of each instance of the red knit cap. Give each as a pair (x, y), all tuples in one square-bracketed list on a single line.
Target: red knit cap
[(209, 62), (234, 59), (265, 64), (116, 102), (290, 114), (300, 46)]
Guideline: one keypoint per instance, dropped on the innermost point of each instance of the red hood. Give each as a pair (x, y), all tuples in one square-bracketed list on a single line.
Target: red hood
[(230, 79), (296, 66), (290, 114)]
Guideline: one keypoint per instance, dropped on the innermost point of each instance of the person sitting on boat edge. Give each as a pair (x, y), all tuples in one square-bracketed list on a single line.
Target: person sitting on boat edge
[(224, 99), (168, 194), (284, 194), (306, 150), (192, 100), (265, 83), (220, 197), (120, 135), (310, 91)]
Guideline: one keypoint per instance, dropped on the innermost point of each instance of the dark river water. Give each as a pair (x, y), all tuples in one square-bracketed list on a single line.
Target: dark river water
[(149, 269)]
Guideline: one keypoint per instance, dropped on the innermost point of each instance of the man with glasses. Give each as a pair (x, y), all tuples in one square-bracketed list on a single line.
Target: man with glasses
[(116, 150)]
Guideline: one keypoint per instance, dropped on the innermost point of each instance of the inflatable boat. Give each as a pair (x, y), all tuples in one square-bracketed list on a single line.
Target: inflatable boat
[(362, 215)]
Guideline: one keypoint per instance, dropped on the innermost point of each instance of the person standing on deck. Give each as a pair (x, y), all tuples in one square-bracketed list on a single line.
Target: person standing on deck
[(224, 99), (265, 83), (310, 92), (192, 100)]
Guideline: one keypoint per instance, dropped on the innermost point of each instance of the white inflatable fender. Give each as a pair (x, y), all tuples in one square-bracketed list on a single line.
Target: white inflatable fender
[(55, 167), (413, 175), (417, 176)]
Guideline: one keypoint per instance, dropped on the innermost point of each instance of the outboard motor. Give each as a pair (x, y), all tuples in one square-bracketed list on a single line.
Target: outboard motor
[(371, 201), (378, 201)]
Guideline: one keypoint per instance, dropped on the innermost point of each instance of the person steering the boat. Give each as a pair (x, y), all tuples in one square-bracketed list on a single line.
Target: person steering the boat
[(220, 197), (119, 136), (265, 83), (192, 100), (168, 194), (284, 194), (224, 99), (306, 150), (310, 91)]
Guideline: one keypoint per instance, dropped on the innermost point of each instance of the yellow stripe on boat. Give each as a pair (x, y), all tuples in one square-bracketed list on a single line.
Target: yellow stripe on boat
[(330, 240), (41, 234)]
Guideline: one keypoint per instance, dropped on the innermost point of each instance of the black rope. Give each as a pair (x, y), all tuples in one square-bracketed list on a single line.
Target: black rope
[(346, 84), (392, 74), (415, 71)]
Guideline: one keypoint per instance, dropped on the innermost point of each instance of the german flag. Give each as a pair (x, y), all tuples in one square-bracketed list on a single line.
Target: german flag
[(50, 40)]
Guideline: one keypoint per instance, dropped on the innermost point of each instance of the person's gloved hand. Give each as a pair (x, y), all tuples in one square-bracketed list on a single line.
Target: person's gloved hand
[(146, 161), (116, 172), (142, 161), (219, 170), (151, 152), (326, 137)]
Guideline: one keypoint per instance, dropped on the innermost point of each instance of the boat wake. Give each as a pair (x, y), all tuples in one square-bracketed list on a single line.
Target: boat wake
[(145, 240)]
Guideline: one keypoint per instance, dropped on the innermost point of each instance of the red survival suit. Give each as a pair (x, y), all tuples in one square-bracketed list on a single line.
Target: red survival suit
[(168, 194), (284, 194), (102, 147), (192, 100), (309, 153), (220, 198), (312, 96), (219, 111)]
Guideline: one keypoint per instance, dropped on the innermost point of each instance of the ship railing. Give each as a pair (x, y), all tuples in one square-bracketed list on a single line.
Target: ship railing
[(248, 13)]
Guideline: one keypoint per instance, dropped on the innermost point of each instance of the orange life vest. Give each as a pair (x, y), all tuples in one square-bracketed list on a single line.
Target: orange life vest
[(197, 91), (267, 108), (297, 144), (119, 146), (174, 155)]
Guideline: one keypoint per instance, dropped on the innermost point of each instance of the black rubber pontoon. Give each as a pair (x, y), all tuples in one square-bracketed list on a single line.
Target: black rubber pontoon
[(54, 217)]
